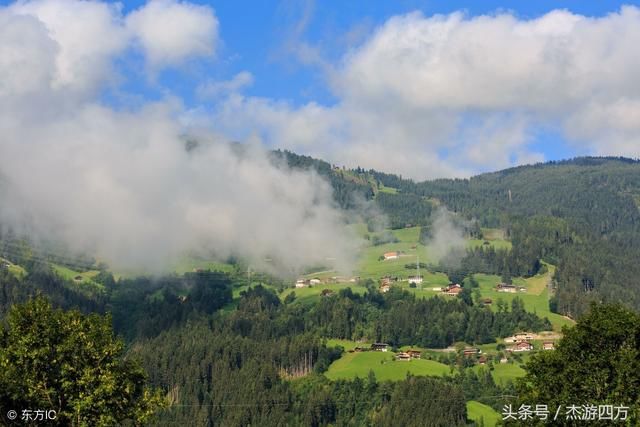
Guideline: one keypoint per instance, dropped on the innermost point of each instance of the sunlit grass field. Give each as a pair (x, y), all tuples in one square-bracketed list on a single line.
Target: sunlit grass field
[(352, 365), (477, 411)]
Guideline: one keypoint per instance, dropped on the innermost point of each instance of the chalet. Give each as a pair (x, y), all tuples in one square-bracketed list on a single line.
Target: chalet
[(503, 287), (300, 283), (453, 289), (520, 336), (379, 346), (471, 351), (391, 255), (415, 354), (327, 293), (482, 360), (315, 281), (523, 336), (415, 279), (402, 356), (548, 345), (521, 346)]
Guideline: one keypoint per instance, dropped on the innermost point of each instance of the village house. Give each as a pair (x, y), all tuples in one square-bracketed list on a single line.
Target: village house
[(415, 354), (402, 356), (471, 351), (521, 346), (301, 283), (391, 255), (415, 279), (327, 293), (503, 287), (379, 346), (453, 289), (315, 281), (520, 336), (548, 345)]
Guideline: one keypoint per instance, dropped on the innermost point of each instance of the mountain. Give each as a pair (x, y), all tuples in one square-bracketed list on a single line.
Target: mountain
[(582, 214)]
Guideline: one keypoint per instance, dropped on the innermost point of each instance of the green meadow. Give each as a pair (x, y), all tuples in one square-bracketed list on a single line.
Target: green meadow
[(478, 412), (536, 303), (310, 294), (352, 365), (503, 372)]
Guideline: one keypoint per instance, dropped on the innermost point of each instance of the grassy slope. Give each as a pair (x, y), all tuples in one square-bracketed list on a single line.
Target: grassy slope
[(310, 294), (353, 365), (17, 270), (538, 303), (477, 411)]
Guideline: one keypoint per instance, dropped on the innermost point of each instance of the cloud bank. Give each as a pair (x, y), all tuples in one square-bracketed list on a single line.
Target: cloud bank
[(120, 183), (451, 95)]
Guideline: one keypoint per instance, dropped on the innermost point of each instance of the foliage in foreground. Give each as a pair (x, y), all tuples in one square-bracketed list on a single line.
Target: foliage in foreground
[(71, 363), (596, 363)]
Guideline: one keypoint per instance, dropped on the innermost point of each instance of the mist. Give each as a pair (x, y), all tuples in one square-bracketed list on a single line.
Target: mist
[(447, 238), (124, 187)]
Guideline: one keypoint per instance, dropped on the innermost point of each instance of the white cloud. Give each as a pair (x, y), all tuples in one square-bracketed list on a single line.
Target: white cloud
[(87, 36), (452, 95), (172, 32), (121, 183)]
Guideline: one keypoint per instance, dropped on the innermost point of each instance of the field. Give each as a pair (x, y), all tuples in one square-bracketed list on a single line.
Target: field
[(352, 365), (477, 411), (503, 372), (17, 270), (535, 300), (69, 274), (308, 294)]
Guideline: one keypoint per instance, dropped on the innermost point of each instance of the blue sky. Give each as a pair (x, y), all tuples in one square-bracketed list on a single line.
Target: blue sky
[(255, 35), (424, 88)]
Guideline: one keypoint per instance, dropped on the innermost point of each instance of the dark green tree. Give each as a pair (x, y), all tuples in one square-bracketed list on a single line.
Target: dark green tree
[(71, 363)]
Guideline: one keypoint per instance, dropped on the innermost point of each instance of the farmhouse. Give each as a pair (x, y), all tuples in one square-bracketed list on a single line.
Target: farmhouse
[(415, 354), (415, 279), (503, 287), (301, 283), (521, 346), (471, 351), (327, 293), (520, 336), (315, 281), (453, 289), (379, 346), (391, 255), (405, 357), (548, 345)]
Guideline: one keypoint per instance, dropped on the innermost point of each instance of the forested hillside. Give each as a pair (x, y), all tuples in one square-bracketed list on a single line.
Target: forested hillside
[(582, 215)]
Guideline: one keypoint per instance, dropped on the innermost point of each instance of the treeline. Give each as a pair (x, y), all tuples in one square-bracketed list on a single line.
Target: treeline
[(404, 209), (347, 193), (399, 318)]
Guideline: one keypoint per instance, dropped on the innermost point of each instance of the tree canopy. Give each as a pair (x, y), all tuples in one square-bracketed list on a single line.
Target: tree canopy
[(65, 361)]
